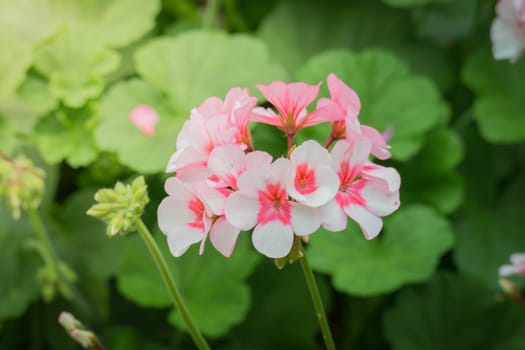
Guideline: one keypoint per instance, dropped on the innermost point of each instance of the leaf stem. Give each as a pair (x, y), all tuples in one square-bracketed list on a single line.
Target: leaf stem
[(48, 251), (209, 19), (316, 299), (170, 285)]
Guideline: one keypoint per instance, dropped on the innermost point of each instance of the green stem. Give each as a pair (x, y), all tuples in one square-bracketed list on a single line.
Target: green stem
[(316, 299), (209, 19), (170, 285), (48, 252)]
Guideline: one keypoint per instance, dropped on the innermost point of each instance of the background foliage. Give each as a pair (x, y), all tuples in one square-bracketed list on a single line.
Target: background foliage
[(71, 71)]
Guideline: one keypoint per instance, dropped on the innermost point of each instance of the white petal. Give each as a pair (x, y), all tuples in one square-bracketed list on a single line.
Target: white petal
[(507, 270), (517, 259), (241, 210), (254, 180), (181, 238), (226, 161), (389, 176), (223, 236), (334, 217), (258, 159), (305, 220), (174, 186), (310, 152), (369, 223), (505, 45), (273, 239), (173, 212), (378, 201)]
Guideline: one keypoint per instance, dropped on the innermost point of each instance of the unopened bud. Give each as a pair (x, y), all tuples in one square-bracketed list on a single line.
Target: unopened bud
[(121, 206), (21, 183), (78, 332)]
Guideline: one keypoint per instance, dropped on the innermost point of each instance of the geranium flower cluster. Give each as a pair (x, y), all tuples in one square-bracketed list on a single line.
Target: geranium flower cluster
[(223, 186)]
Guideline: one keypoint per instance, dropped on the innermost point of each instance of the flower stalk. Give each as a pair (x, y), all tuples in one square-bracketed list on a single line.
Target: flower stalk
[(316, 299)]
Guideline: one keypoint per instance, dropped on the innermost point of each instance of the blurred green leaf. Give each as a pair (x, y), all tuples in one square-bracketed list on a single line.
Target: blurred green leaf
[(453, 312), (411, 3), (35, 92), (296, 30), (407, 251), (431, 177), (195, 65), (213, 287), (141, 153), (500, 104), (390, 96), (7, 135), (67, 134)]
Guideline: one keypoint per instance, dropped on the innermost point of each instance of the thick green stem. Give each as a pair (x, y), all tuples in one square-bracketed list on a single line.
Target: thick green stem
[(48, 252), (316, 299), (170, 285), (209, 19)]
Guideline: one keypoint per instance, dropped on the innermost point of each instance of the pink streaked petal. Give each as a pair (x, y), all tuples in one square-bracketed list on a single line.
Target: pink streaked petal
[(223, 236), (173, 212), (145, 118), (380, 149), (356, 152), (210, 108), (266, 116), (370, 224), (389, 176), (327, 184), (305, 220), (290, 98), (334, 217), (181, 238), (379, 202), (324, 113), (213, 198), (227, 162), (241, 210), (273, 239)]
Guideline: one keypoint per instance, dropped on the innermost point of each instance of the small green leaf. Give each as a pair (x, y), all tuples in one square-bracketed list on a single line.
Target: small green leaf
[(67, 134), (407, 251), (429, 317), (500, 104), (212, 286), (390, 96), (141, 153), (35, 91), (195, 65)]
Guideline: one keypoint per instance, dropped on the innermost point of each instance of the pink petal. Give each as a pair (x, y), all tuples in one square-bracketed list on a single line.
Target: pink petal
[(273, 239), (370, 224), (290, 98), (145, 118), (380, 148), (223, 236), (227, 162), (389, 176), (343, 96), (305, 220)]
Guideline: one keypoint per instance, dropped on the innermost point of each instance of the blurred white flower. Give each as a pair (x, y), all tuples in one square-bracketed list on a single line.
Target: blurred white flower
[(508, 30), (517, 267)]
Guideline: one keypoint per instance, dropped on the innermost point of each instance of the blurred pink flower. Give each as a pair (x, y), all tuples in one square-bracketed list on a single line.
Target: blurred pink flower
[(517, 267), (508, 30), (145, 118)]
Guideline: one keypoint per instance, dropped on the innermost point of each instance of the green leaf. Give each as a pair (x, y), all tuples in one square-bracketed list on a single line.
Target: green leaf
[(408, 251), (489, 233), (430, 177), (7, 135), (412, 3), (296, 30), (212, 286), (35, 92), (280, 296), (429, 317), (500, 104), (67, 134), (141, 153), (390, 96), (18, 266), (195, 65)]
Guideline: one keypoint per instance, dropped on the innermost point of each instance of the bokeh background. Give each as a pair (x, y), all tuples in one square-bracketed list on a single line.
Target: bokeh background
[(71, 72)]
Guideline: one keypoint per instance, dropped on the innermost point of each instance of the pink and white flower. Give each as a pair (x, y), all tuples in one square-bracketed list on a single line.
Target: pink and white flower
[(508, 30), (290, 101), (346, 100), (517, 268), (366, 192), (145, 118), (192, 212), (262, 203), (312, 180)]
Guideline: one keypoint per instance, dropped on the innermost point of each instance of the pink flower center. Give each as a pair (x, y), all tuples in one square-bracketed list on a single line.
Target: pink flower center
[(305, 179), (351, 186), (197, 207), (521, 269), (274, 205)]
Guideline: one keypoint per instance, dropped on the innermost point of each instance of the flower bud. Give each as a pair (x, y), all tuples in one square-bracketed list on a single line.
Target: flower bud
[(121, 206), (78, 332), (21, 183)]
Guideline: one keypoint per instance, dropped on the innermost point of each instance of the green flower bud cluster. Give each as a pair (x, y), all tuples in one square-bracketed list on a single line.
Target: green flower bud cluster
[(121, 207), (21, 183)]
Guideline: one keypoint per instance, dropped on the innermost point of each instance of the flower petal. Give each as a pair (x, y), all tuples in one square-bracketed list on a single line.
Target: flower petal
[(181, 238), (369, 223), (378, 201), (241, 210), (273, 239), (334, 218), (223, 236), (507, 270), (305, 220)]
